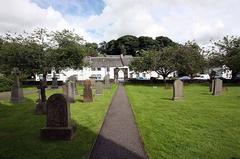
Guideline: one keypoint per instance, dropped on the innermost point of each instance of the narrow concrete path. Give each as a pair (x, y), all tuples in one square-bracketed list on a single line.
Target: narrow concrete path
[(119, 137)]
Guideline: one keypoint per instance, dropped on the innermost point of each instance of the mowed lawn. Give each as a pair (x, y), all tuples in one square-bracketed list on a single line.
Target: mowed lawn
[(20, 128), (200, 126)]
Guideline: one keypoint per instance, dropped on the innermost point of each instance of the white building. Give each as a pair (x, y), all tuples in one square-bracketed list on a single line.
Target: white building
[(117, 66)]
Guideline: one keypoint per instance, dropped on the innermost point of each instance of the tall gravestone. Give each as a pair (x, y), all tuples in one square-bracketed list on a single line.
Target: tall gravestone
[(41, 105), (99, 88), (107, 83), (217, 89), (93, 82), (74, 80), (17, 91), (69, 91), (211, 85), (59, 124), (54, 82), (87, 91), (178, 90)]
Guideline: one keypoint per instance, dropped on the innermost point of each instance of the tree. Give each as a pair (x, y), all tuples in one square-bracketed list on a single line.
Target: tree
[(189, 59), (163, 62), (228, 54)]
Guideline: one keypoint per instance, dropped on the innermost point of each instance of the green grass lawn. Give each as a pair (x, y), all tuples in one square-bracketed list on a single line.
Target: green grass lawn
[(20, 129), (200, 126)]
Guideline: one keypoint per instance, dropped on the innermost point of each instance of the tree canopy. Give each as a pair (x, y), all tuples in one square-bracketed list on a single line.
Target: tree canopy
[(131, 45)]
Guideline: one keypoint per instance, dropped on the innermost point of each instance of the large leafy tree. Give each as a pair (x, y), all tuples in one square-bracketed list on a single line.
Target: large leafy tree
[(190, 59), (228, 53)]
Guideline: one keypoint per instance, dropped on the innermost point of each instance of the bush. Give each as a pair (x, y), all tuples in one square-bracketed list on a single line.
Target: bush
[(5, 84)]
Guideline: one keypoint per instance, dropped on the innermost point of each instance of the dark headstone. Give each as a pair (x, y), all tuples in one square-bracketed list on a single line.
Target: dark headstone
[(99, 88), (217, 89), (16, 92), (41, 103), (177, 90), (54, 82), (59, 124), (87, 91), (211, 85), (107, 83)]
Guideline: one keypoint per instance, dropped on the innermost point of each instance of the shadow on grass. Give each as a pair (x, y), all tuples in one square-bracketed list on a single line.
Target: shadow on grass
[(20, 138), (167, 99)]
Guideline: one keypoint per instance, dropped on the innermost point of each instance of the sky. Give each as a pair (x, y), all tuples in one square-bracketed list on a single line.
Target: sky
[(104, 20)]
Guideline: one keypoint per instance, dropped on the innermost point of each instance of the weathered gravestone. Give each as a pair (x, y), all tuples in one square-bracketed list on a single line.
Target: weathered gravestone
[(54, 82), (217, 89), (177, 90), (59, 124), (87, 91), (69, 91), (93, 82), (17, 91), (211, 85), (41, 103), (74, 80), (107, 83), (99, 88)]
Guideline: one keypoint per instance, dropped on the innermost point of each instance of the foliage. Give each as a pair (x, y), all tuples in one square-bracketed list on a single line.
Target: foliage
[(228, 53), (131, 45), (5, 84)]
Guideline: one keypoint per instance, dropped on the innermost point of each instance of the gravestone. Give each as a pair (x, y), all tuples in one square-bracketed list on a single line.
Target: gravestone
[(74, 80), (211, 85), (178, 90), (217, 89), (17, 91), (107, 83), (87, 91), (59, 124), (41, 103), (99, 88), (69, 91), (54, 82), (93, 82)]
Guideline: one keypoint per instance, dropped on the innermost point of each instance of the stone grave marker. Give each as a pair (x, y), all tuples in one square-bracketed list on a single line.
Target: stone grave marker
[(74, 80), (217, 89), (87, 91), (69, 91), (93, 82), (59, 124), (54, 82), (178, 90), (16, 91), (41, 103), (99, 88), (107, 83)]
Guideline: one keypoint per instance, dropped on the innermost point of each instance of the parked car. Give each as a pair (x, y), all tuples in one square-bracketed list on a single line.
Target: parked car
[(183, 78), (202, 77)]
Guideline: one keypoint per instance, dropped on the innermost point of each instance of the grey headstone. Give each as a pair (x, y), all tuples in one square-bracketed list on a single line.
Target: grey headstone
[(54, 83), (74, 80), (178, 90), (69, 91), (59, 124), (93, 82), (99, 88), (217, 89), (16, 92), (107, 83), (87, 91)]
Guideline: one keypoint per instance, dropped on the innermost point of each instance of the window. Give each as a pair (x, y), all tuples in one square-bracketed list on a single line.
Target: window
[(93, 69), (99, 68), (144, 74)]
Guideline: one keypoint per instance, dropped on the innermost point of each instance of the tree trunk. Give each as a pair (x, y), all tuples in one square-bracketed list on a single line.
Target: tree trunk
[(165, 81)]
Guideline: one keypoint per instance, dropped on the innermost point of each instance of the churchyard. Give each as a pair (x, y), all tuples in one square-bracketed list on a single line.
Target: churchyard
[(20, 127), (198, 126)]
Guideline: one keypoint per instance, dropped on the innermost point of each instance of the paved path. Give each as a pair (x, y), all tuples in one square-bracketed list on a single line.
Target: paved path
[(119, 137)]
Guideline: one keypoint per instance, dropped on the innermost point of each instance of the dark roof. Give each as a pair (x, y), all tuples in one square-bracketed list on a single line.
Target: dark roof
[(109, 61)]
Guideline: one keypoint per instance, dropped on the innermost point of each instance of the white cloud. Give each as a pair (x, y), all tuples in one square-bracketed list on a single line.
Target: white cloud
[(181, 20)]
